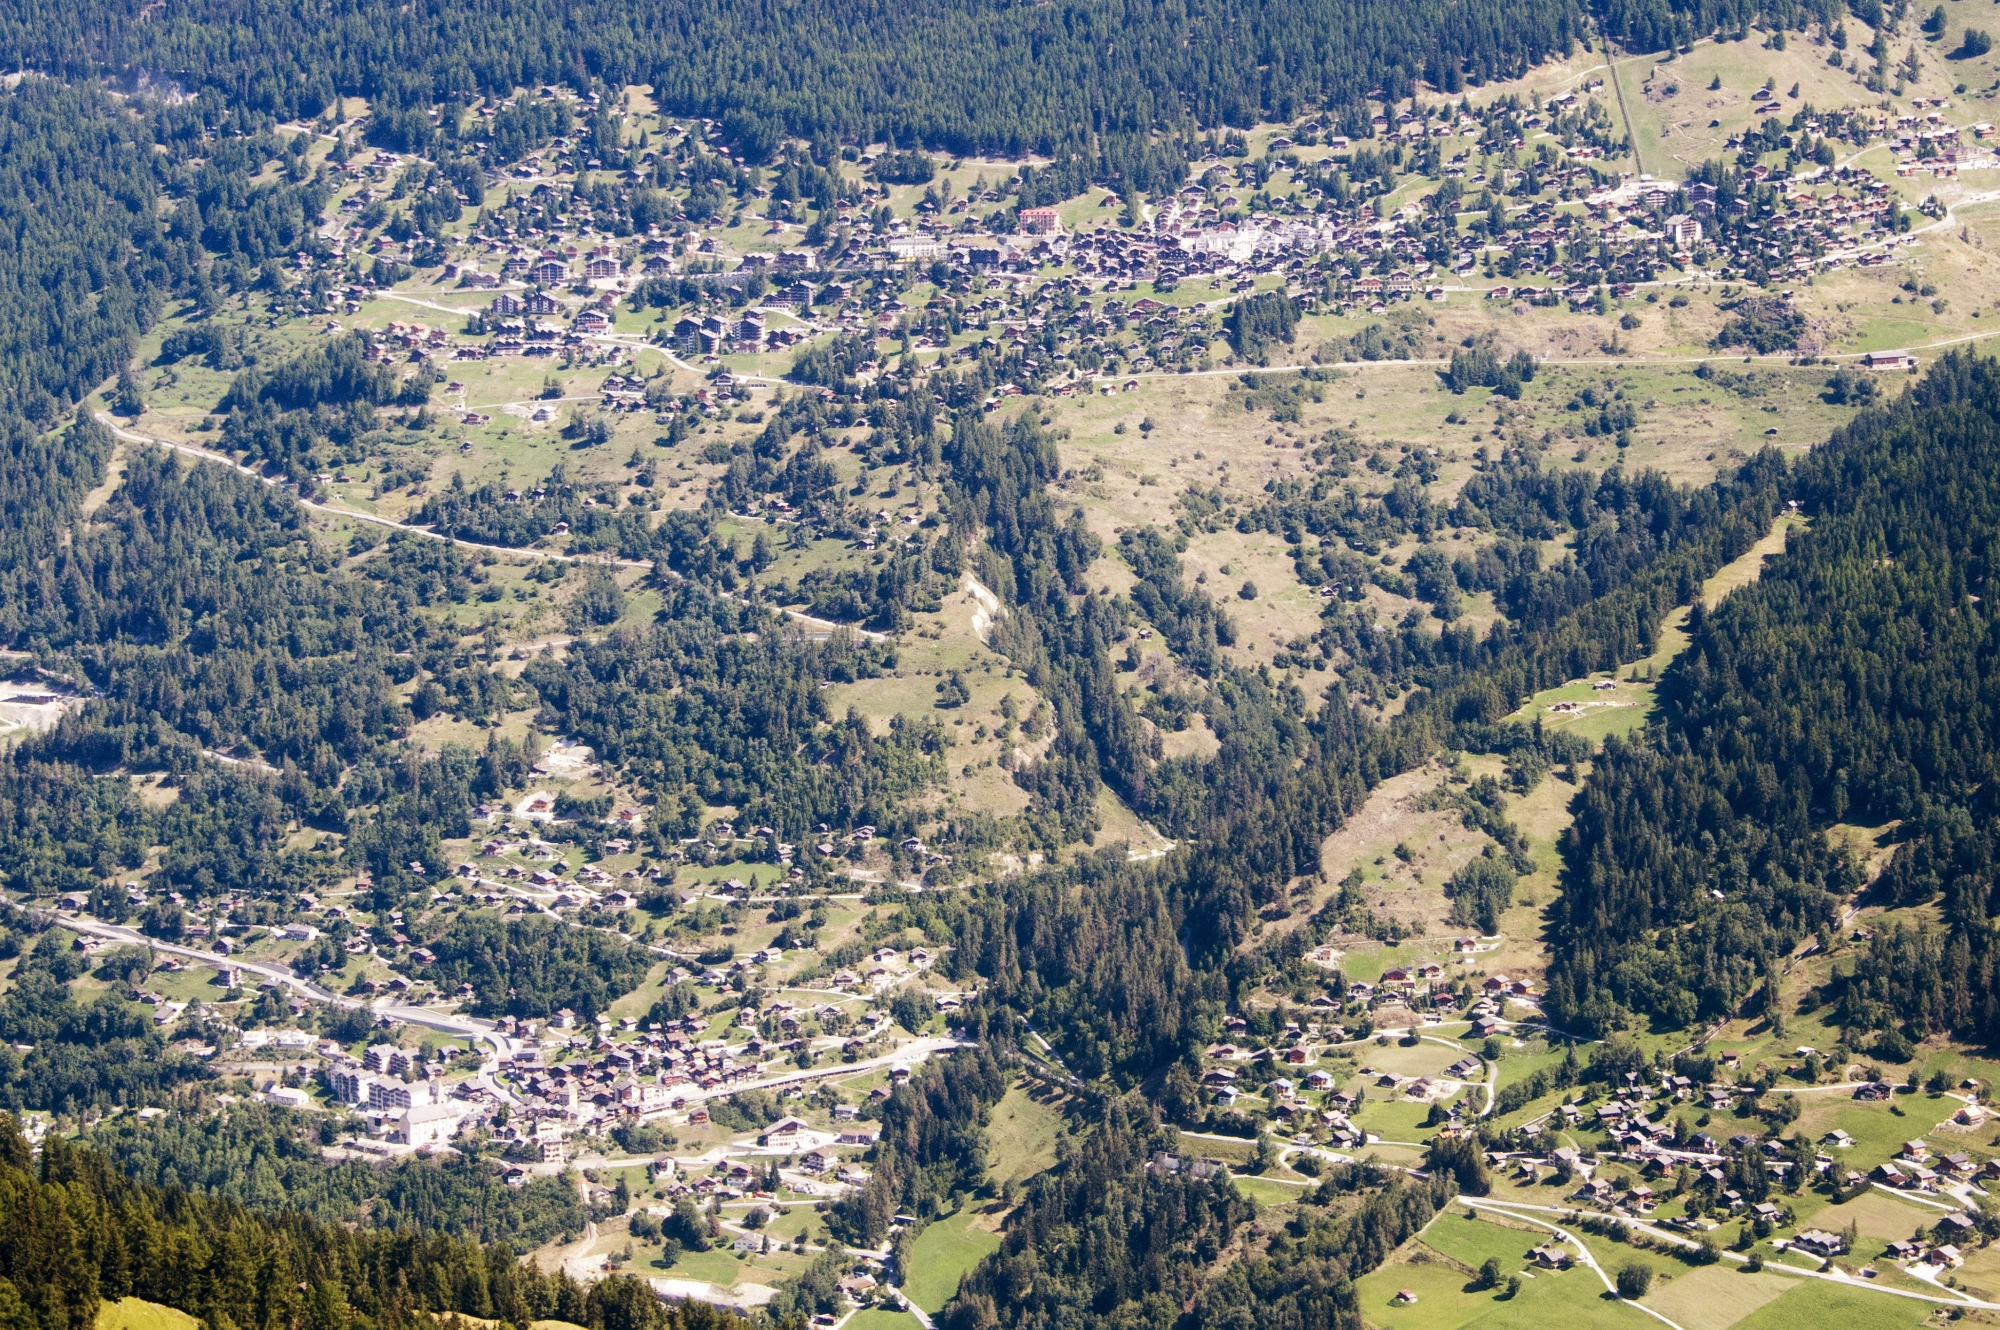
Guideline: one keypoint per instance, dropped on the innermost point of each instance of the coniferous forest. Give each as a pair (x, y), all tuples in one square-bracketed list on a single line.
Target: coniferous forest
[(963, 77), (1850, 684), (77, 1233)]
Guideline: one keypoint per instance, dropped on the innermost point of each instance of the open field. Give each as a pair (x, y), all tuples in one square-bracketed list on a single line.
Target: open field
[(138, 1314), (1814, 1304), (1716, 1297), (879, 1318), (944, 1251), (1021, 1132), (1443, 1281)]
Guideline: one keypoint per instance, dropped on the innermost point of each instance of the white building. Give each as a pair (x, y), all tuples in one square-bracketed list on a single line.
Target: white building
[(916, 247), (425, 1124)]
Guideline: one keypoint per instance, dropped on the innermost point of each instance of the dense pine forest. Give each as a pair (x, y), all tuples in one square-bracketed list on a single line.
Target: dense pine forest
[(965, 77), (1851, 684), (1106, 1239), (75, 1232)]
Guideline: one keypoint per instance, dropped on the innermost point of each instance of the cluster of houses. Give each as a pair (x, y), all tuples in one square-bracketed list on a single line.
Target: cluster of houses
[(1422, 990), (1287, 1098), (884, 968), (1232, 222), (672, 1066), (1925, 144), (1328, 1121), (644, 1077), (1918, 1168)]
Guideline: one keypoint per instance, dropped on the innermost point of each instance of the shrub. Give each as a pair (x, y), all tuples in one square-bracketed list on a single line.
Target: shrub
[(1891, 1046)]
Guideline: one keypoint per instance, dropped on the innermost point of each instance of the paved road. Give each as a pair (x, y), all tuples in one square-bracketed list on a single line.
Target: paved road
[(1587, 1260), (1511, 1209), (923, 1317), (351, 514), (917, 1050), (1049, 1065), (83, 923), (482, 1032)]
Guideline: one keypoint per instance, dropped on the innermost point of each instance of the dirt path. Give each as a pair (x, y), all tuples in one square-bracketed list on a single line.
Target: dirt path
[(114, 476), (350, 514)]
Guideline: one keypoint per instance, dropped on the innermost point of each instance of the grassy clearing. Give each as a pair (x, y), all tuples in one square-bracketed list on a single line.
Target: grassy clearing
[(1021, 1134), (1268, 1191), (1880, 1218), (1679, 120), (1519, 1066), (1435, 1267), (1131, 455), (1420, 1059), (1742, 571), (1716, 1297), (641, 999), (195, 983), (1980, 1274), (1614, 1255), (879, 1318), (938, 644), (1582, 707), (1229, 1150), (1393, 1120), (1472, 1242), (944, 1251), (1406, 854), (724, 1269), (138, 1314), (1815, 1304), (1623, 700), (1410, 888)]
